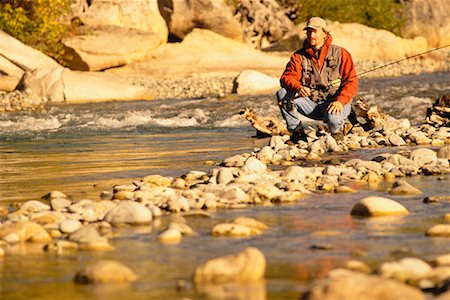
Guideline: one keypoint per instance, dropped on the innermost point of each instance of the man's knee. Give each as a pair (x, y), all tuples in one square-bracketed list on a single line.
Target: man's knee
[(281, 93), (335, 122)]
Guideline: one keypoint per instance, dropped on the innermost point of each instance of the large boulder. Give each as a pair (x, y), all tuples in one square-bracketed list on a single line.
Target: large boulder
[(143, 15), (93, 51), (428, 18), (63, 85), (251, 82), (363, 42), (209, 53), (183, 16)]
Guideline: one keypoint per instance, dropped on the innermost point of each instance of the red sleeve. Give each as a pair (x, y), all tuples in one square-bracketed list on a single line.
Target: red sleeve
[(349, 79), (290, 79)]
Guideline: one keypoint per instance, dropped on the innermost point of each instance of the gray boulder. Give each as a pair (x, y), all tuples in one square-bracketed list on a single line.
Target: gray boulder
[(183, 16)]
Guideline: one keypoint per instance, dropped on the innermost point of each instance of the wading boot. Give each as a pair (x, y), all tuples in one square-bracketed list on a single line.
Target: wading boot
[(298, 134)]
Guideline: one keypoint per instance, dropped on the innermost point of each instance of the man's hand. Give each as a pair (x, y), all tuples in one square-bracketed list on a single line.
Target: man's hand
[(335, 108), (304, 91)]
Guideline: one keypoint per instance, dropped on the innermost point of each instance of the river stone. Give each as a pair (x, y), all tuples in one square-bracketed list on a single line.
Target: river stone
[(350, 285), (442, 260), (129, 212), (250, 82), (26, 231), (423, 156), (225, 175), (295, 173), (69, 226), (277, 142), (2, 252), (374, 206), (396, 140), (34, 206), (357, 265), (170, 236), (250, 222), (406, 269), (401, 187), (265, 154), (105, 271), (59, 204), (436, 199), (157, 180), (86, 234), (54, 195), (439, 230), (230, 229), (235, 161), (123, 195), (178, 204), (246, 266), (236, 194), (444, 152), (253, 166)]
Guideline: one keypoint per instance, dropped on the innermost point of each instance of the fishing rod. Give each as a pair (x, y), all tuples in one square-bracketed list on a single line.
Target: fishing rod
[(400, 60)]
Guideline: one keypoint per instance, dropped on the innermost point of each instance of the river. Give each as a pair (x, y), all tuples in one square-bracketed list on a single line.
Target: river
[(84, 149)]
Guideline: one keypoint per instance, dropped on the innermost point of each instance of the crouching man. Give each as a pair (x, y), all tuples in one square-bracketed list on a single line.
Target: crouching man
[(319, 82)]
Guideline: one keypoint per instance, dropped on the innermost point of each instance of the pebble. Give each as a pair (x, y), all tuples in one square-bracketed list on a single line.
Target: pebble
[(170, 236), (439, 230), (105, 271), (69, 226), (378, 206)]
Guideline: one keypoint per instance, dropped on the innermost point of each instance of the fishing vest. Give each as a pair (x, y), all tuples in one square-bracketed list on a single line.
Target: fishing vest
[(324, 85)]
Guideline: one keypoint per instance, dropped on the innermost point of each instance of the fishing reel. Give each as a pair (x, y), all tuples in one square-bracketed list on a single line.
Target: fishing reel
[(287, 104)]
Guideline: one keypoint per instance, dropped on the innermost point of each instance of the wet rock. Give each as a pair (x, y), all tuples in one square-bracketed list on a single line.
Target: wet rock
[(253, 166), (440, 230), (226, 175), (423, 156), (246, 266), (437, 199), (396, 140), (344, 189), (69, 226), (378, 206), (344, 284), (123, 195), (105, 271), (178, 204), (236, 194), (26, 232), (2, 253), (250, 222), (235, 161), (129, 212), (60, 246), (156, 180), (442, 260), (401, 187), (170, 236), (233, 230), (34, 206), (358, 266), (58, 204), (54, 195), (183, 228), (408, 269), (444, 152), (261, 192), (266, 154)]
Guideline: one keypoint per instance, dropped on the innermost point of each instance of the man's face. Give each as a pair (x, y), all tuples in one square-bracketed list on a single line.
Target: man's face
[(316, 37)]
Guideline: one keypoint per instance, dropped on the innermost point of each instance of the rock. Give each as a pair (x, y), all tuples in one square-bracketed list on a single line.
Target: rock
[(59, 204), (18, 57), (444, 152), (2, 253), (408, 269), (250, 222), (253, 166), (178, 204), (69, 226), (86, 235), (442, 260), (427, 18), (436, 199), (440, 230), (170, 236), (225, 175), (401, 187), (378, 206), (34, 206), (184, 229), (129, 212), (92, 52), (105, 271), (235, 161), (26, 232), (246, 266), (344, 284), (54, 195), (156, 180), (251, 82), (183, 16), (423, 156), (396, 140), (356, 265), (295, 173), (234, 230)]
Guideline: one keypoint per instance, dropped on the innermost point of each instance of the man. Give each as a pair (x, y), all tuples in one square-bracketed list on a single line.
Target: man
[(319, 82)]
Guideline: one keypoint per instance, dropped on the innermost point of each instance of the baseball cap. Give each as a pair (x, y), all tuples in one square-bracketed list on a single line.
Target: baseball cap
[(316, 23)]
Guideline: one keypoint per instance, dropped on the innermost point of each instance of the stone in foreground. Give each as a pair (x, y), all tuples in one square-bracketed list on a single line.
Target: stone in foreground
[(246, 266), (378, 206), (105, 271)]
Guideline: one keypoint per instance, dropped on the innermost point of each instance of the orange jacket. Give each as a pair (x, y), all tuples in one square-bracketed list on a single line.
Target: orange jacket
[(291, 77)]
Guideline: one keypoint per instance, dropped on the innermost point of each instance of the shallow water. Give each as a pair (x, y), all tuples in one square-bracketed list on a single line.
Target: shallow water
[(82, 150)]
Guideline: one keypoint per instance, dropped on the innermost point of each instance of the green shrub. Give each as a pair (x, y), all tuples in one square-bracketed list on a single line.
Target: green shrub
[(40, 24), (381, 14)]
